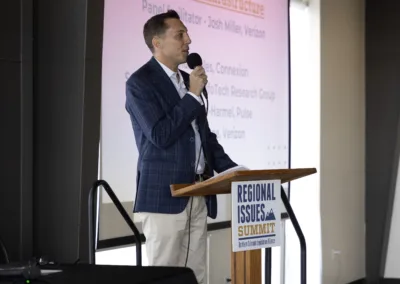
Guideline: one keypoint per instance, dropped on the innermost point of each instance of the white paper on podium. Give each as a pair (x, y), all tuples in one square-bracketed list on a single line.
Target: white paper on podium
[(231, 170)]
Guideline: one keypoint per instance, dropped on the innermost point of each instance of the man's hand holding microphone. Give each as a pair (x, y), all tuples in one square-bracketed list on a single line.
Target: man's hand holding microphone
[(198, 80)]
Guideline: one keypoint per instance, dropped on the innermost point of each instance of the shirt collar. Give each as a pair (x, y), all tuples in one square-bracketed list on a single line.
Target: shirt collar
[(170, 73)]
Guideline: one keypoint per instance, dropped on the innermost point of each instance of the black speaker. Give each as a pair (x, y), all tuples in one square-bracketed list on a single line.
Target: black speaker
[(105, 274)]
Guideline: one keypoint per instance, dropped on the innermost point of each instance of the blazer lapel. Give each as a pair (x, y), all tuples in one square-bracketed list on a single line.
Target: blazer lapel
[(165, 86), (186, 80), (163, 83)]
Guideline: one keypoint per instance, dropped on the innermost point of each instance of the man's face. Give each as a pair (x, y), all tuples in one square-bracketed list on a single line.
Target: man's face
[(174, 44)]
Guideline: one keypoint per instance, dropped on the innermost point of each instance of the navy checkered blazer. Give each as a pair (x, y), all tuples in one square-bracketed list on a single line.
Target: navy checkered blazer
[(161, 123)]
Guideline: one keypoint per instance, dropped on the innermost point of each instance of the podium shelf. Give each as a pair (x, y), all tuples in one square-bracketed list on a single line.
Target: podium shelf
[(222, 184)]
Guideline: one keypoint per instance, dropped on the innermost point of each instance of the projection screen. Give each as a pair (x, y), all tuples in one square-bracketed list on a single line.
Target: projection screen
[(245, 49)]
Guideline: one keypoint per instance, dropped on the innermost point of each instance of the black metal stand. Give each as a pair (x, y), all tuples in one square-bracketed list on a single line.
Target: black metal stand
[(268, 265), (92, 221), (4, 252), (303, 250)]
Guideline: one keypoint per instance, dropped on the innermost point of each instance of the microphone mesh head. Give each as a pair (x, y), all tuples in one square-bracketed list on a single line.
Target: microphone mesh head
[(194, 60)]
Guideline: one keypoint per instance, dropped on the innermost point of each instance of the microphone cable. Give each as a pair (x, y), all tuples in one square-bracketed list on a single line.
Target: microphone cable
[(195, 173)]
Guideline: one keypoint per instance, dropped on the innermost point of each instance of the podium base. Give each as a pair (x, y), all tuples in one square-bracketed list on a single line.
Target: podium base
[(246, 267)]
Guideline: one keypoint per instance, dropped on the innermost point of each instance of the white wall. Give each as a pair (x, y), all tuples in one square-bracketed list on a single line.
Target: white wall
[(342, 169), (328, 121), (305, 142), (393, 254)]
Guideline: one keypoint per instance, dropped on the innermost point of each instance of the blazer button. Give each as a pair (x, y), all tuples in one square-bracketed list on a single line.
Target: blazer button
[(191, 139)]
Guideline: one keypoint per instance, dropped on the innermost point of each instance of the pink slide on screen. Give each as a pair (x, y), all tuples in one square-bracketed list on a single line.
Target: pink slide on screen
[(244, 46)]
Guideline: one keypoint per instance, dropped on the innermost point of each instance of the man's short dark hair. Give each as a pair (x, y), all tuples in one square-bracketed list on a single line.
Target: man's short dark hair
[(156, 26)]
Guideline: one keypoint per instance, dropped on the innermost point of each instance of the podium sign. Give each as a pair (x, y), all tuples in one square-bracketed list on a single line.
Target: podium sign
[(256, 214)]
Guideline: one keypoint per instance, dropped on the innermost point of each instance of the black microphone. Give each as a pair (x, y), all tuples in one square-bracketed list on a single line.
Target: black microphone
[(194, 60)]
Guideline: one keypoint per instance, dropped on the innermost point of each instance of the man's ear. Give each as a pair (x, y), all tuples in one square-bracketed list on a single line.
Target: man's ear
[(156, 42)]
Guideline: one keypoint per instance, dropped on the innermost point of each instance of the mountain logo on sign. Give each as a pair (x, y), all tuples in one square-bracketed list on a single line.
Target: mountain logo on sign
[(270, 216)]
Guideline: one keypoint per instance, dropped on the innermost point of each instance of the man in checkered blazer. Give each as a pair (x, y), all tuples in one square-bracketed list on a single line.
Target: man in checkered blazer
[(175, 146)]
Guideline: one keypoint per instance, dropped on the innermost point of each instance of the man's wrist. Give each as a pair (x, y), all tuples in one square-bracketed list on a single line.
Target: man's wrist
[(195, 93), (198, 98)]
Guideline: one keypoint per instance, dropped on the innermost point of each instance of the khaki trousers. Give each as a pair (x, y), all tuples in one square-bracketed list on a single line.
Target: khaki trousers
[(167, 237)]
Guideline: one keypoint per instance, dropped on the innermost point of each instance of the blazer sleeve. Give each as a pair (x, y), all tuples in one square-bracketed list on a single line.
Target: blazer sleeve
[(159, 127), (222, 161)]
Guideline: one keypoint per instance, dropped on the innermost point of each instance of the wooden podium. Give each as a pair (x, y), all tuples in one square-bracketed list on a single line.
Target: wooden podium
[(246, 265)]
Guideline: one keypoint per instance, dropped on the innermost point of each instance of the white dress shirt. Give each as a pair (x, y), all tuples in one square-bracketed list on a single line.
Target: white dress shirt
[(177, 80)]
